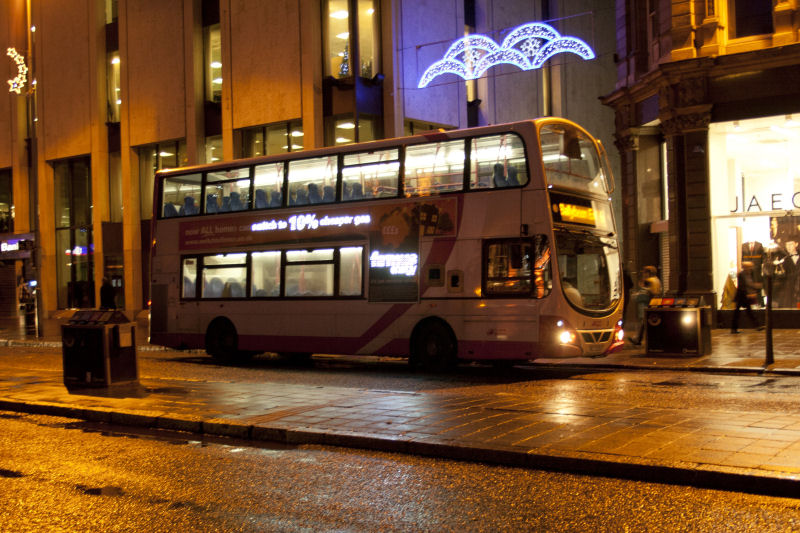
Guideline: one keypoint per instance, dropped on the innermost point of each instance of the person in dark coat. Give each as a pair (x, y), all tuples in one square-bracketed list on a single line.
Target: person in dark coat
[(747, 291), (107, 296)]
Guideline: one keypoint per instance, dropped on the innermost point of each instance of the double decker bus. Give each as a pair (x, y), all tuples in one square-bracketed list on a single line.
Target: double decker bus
[(495, 244)]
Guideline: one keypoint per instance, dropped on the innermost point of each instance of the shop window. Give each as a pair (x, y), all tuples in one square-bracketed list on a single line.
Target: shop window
[(152, 159), (6, 202), (434, 168), (212, 54), (749, 17), (272, 139), (73, 225), (340, 18)]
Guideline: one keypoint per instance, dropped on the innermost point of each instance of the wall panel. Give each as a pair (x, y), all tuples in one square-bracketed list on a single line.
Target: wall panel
[(265, 69), (63, 79), (156, 85)]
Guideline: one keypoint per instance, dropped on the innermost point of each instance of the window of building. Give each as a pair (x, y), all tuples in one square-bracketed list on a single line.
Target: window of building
[(113, 87), (6, 202), (74, 244), (152, 159), (111, 11), (347, 129), (212, 53), (412, 127), (340, 18), (749, 17), (214, 149), (272, 139), (115, 186)]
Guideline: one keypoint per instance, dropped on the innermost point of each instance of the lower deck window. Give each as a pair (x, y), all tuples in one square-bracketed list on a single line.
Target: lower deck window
[(517, 267), (315, 273)]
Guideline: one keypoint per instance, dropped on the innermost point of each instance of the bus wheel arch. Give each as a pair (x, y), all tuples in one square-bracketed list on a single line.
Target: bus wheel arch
[(222, 341), (433, 345)]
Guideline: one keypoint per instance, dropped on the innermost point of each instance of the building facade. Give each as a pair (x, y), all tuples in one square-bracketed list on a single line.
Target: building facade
[(707, 108), (115, 90)]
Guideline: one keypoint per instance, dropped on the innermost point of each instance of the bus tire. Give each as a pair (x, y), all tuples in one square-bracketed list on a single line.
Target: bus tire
[(433, 346), (222, 342)]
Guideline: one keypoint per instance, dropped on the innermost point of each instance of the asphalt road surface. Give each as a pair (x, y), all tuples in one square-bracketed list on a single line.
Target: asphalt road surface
[(67, 475)]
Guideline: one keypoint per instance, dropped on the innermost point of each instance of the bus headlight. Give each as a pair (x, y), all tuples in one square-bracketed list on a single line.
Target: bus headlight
[(566, 337)]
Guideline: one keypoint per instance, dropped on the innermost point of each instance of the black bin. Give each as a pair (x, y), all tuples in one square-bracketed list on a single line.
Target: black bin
[(99, 349), (678, 326)]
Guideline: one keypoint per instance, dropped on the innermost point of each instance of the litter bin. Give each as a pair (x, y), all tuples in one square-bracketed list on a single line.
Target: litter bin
[(99, 349), (678, 326)]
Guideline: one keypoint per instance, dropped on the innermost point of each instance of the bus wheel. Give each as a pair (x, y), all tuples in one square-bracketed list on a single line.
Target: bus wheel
[(222, 342), (433, 347)]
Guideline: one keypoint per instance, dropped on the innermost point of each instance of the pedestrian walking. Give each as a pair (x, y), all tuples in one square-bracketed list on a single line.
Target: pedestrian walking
[(650, 286), (747, 291)]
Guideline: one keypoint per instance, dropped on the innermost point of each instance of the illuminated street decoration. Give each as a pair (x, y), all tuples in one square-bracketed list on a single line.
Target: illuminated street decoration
[(398, 264), (16, 84), (526, 47)]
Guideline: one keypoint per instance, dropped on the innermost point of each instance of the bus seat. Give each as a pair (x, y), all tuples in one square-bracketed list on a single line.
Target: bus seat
[(169, 210), (347, 191), (499, 177), (357, 191), (232, 289), (328, 194), (275, 199), (226, 204), (211, 203), (213, 289), (236, 202), (188, 287), (301, 197), (188, 207), (313, 194), (260, 293), (261, 199), (512, 177)]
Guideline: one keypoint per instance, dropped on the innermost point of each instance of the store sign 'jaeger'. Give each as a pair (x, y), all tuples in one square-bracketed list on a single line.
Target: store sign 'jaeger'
[(774, 202)]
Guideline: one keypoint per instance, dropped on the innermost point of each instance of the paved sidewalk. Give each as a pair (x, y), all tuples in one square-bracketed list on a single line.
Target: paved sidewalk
[(747, 451)]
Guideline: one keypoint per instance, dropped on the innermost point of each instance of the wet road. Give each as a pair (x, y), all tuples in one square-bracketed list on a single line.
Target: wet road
[(62, 474)]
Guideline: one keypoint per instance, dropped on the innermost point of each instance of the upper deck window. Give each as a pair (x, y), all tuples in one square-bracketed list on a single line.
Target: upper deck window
[(371, 174), (312, 181), (181, 196), (571, 159), (497, 161), (434, 168), (228, 190)]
